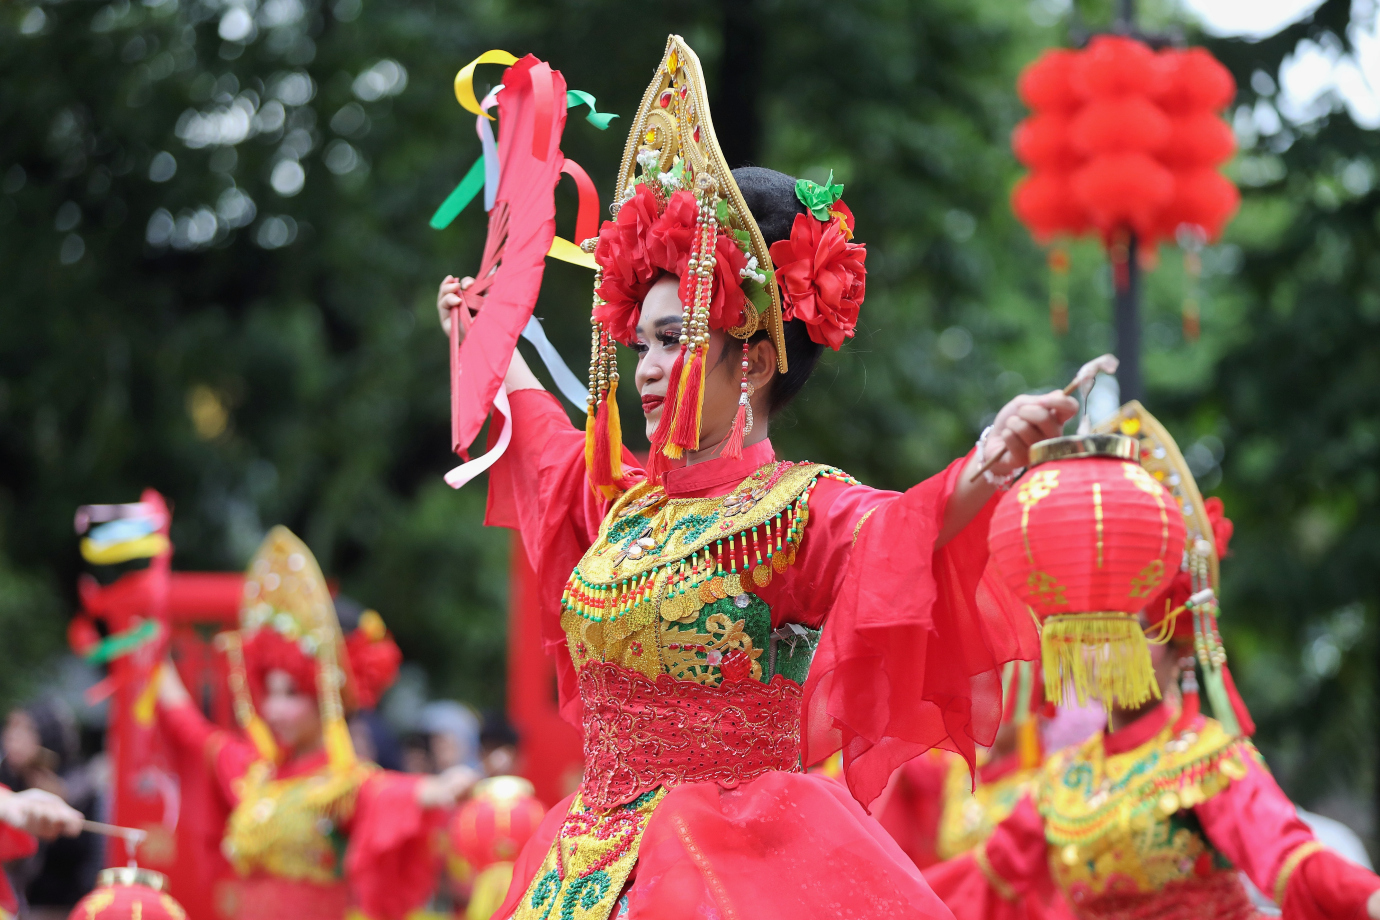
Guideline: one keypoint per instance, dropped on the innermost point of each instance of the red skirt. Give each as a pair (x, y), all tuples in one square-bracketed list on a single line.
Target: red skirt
[(789, 845)]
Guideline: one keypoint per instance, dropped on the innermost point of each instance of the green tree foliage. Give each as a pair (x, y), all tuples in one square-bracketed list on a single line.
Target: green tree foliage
[(219, 277)]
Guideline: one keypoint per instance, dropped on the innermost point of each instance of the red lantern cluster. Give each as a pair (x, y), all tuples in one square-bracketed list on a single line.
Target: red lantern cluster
[(129, 894), (500, 817), (1087, 542), (1122, 138)]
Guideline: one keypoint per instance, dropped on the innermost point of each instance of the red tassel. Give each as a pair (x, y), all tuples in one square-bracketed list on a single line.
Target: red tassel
[(1238, 705), (733, 444), (686, 433), (600, 472), (668, 411)]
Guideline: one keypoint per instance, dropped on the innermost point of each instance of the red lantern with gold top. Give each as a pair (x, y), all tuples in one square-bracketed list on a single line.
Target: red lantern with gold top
[(493, 825), (1086, 537), (129, 894)]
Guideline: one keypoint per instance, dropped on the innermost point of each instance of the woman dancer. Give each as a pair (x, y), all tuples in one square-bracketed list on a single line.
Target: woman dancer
[(1155, 816), (312, 830), (683, 604)]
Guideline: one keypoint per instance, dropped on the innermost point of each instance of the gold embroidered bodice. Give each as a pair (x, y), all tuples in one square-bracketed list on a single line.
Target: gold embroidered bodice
[(670, 584), (1125, 822), (290, 828)]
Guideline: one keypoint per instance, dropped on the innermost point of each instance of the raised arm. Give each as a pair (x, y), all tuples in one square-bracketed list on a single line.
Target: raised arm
[(1253, 823), (1020, 423)]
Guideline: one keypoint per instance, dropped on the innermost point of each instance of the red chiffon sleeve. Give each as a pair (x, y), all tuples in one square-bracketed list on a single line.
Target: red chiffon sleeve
[(1005, 878), (1253, 823), (915, 637), (390, 863), (538, 488), (227, 755), (14, 844)]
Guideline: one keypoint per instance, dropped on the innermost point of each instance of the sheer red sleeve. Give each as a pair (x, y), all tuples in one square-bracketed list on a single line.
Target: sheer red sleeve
[(14, 844), (1255, 825), (1006, 878), (539, 489), (193, 736), (391, 865), (915, 637)]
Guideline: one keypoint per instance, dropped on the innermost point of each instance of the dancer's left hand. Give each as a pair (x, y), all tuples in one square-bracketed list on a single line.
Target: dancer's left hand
[(445, 789), (1373, 906), (1023, 422)]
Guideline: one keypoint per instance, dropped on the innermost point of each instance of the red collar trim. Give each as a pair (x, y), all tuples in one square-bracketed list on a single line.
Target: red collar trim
[(718, 476), (1139, 731)]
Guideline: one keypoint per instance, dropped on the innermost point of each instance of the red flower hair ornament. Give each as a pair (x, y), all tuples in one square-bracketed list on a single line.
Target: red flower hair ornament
[(822, 276)]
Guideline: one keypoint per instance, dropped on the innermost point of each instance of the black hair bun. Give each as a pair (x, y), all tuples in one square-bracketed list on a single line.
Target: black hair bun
[(770, 196)]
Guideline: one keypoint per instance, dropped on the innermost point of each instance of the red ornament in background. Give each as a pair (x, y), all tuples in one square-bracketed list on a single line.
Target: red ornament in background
[(493, 825), (129, 894), (1086, 538), (1123, 139)]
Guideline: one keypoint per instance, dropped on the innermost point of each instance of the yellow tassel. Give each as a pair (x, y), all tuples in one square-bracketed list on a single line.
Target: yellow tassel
[(340, 751), (590, 428), (1028, 744), (615, 432), (262, 738), (1103, 656)]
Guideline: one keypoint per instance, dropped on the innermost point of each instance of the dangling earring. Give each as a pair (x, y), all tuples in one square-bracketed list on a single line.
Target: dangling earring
[(751, 388), (742, 422)]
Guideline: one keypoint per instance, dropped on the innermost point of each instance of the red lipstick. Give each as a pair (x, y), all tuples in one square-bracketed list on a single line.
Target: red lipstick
[(651, 403)]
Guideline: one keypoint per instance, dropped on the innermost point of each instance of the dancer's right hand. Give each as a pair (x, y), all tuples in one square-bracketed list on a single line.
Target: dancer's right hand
[(448, 298), (39, 813)]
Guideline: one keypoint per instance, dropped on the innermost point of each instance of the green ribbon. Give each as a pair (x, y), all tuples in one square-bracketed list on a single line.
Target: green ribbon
[(818, 198), (457, 200), (473, 182), (112, 647), (600, 120)]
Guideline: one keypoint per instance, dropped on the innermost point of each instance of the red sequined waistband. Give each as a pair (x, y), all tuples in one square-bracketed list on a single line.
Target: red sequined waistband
[(1219, 896), (641, 733)]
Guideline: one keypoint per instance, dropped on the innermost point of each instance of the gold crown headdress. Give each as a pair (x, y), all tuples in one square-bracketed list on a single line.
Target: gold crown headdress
[(1160, 456), (285, 591), (672, 141)]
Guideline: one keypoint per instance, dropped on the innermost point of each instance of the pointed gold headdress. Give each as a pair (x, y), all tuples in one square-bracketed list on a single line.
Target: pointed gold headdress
[(672, 150), (285, 591), (1160, 456)]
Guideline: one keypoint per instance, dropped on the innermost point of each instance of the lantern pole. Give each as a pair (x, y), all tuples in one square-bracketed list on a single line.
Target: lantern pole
[(1126, 302), (1126, 299)]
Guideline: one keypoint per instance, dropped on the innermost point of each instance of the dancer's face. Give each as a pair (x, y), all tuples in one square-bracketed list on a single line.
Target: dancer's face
[(658, 345), (292, 715)]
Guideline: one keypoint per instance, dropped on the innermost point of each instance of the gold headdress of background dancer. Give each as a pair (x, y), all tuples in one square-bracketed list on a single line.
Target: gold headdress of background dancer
[(1188, 605), (285, 591), (672, 148)]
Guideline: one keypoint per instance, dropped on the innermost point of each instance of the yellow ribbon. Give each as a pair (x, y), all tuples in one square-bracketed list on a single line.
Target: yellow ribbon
[(464, 80), (566, 251)]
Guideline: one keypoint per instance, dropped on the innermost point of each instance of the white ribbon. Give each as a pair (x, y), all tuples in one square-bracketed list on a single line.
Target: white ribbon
[(566, 381), (472, 468), (486, 140)]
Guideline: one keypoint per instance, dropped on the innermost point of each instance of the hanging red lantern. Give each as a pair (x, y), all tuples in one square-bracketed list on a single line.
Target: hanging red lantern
[(1047, 84), (1121, 140), (1125, 190), (129, 894), (1086, 537), (502, 813), (1045, 203)]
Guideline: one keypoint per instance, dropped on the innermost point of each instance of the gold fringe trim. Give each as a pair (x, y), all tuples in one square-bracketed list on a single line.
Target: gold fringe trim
[(1103, 656), (1292, 862)]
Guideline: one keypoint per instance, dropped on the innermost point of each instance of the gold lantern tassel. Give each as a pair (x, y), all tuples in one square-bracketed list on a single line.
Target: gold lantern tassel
[(1102, 656)]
